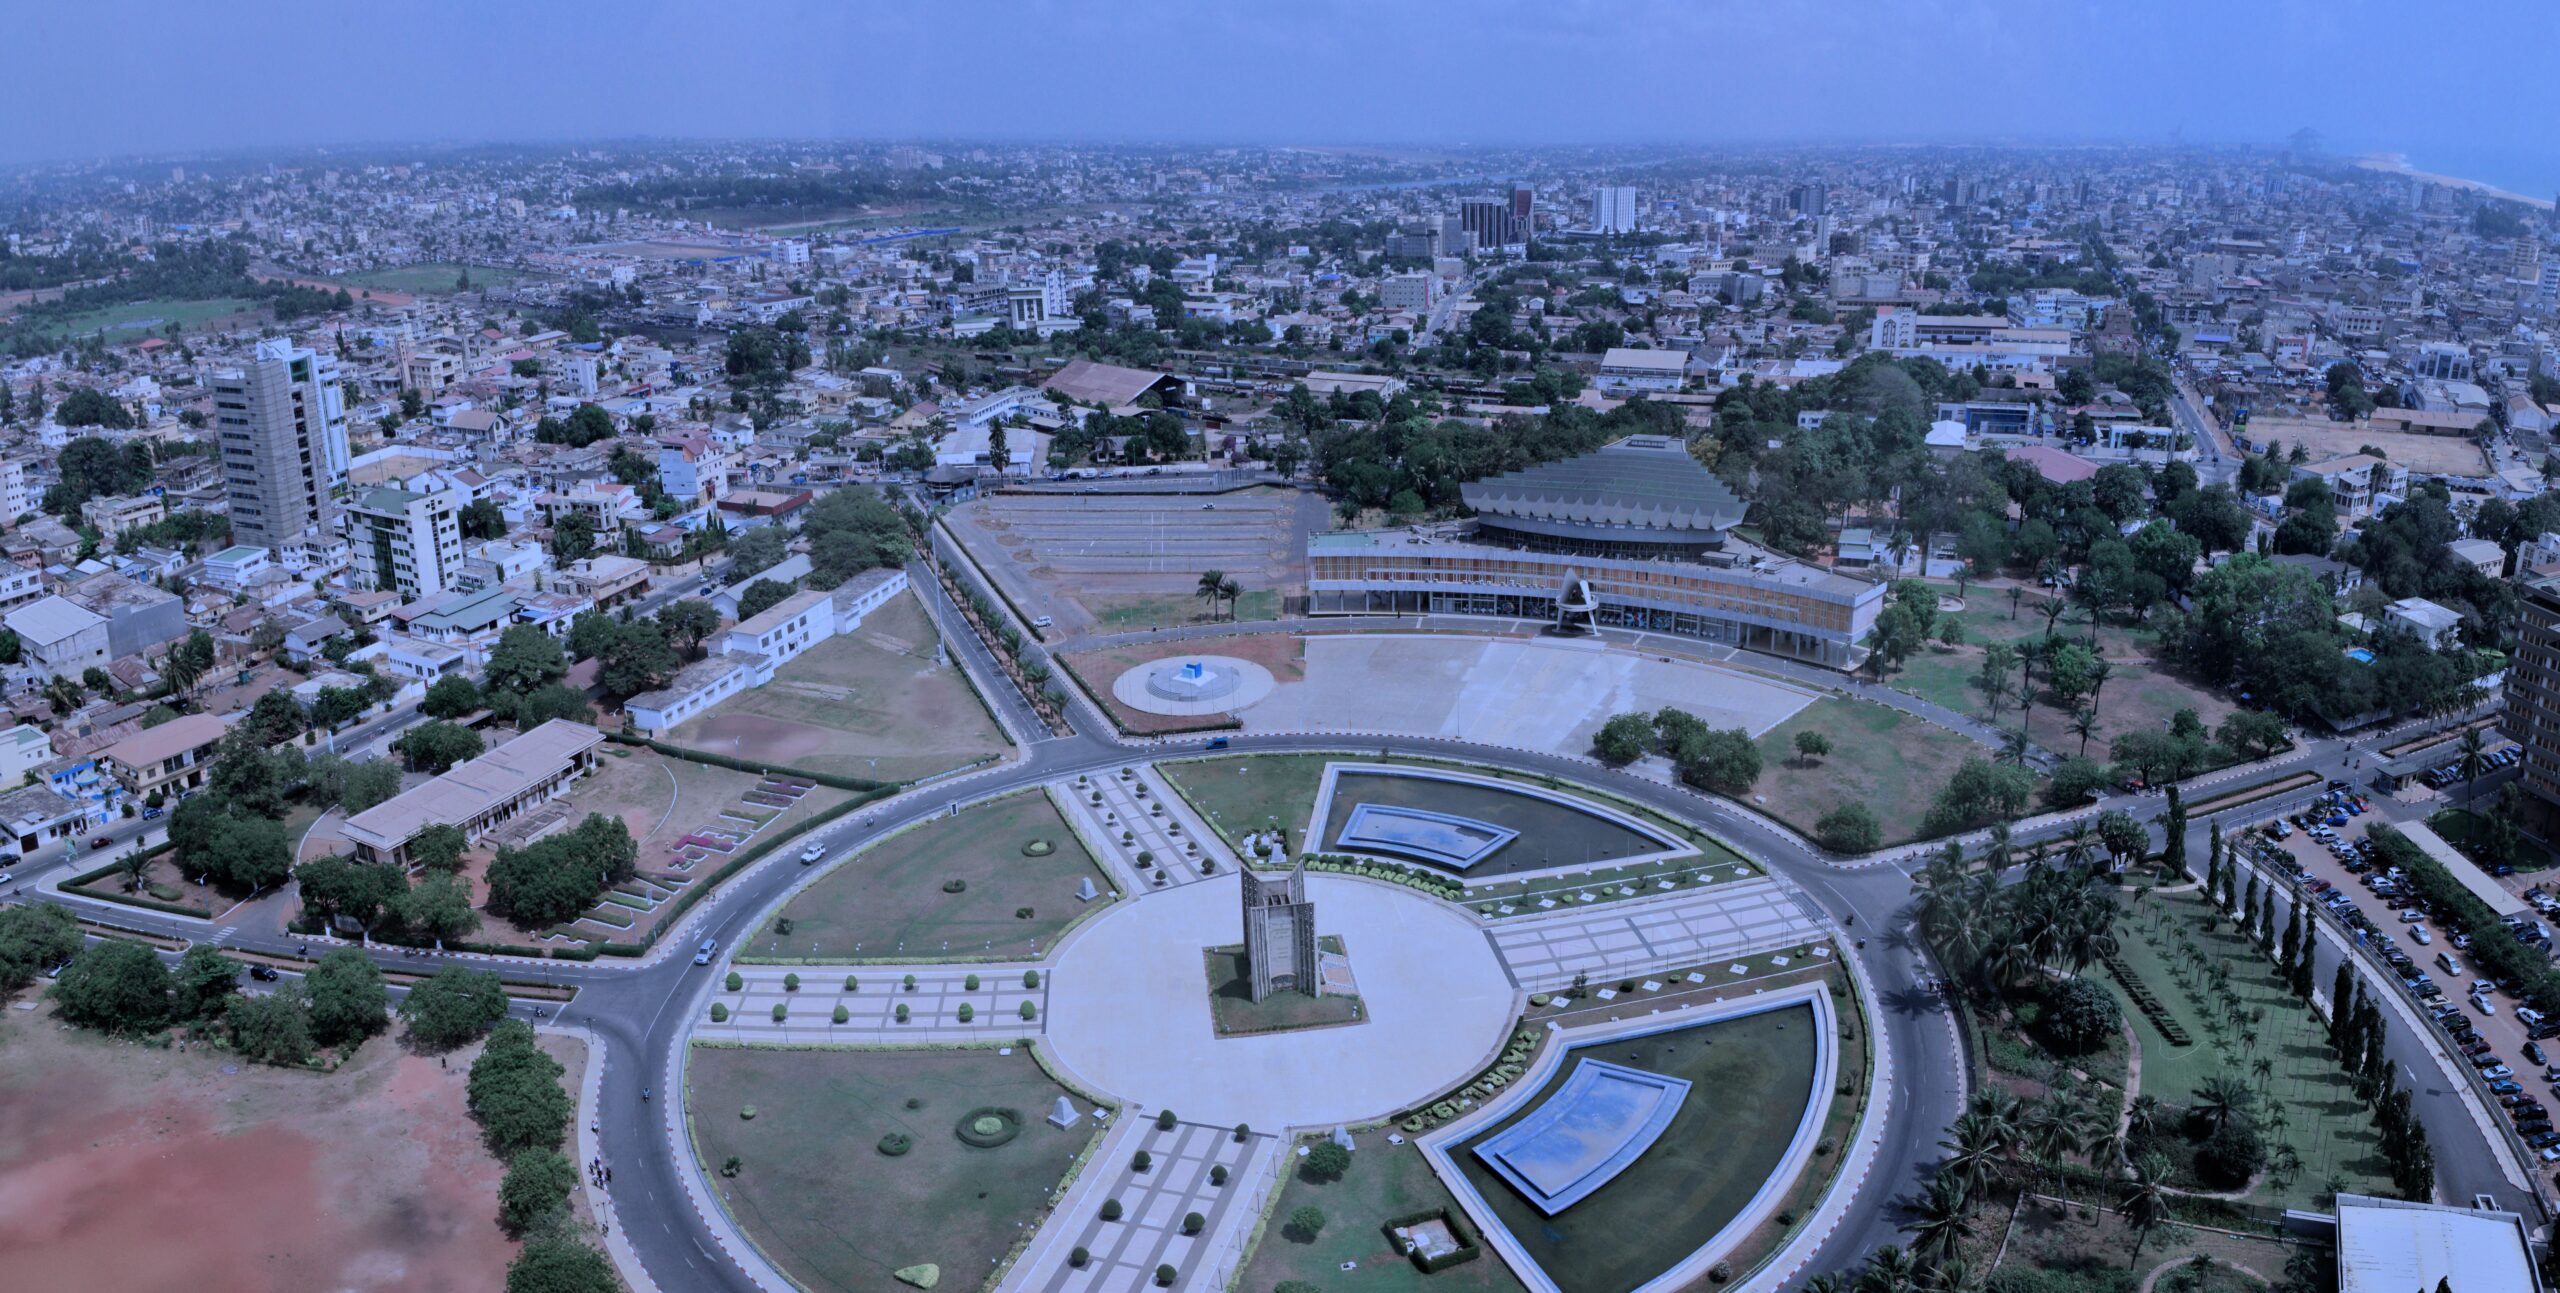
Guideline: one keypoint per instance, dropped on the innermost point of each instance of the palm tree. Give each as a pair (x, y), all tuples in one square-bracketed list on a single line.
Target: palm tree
[(2144, 1113), (1973, 1157), (2013, 747), (2221, 1098), (1211, 587), (2146, 1202), (1890, 1270), (2099, 672), (1826, 1283), (2265, 1067), (2475, 760), (63, 695), (1231, 590), (1942, 1217), (2084, 724)]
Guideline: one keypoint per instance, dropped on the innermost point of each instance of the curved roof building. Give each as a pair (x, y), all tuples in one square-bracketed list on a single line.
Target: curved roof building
[(1643, 496)]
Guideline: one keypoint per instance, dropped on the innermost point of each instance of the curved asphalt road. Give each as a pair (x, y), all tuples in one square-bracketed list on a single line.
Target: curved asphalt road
[(641, 1010)]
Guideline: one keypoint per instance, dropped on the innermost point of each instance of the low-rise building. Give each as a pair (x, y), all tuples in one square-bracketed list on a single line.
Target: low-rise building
[(1623, 369), (60, 638), (479, 794), (166, 760), (112, 515), (2481, 555), (605, 581), (34, 816)]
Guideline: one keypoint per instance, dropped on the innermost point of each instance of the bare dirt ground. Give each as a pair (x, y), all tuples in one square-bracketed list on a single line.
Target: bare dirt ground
[(1106, 563), (130, 1170), (873, 703), (1284, 654), (2452, 455)]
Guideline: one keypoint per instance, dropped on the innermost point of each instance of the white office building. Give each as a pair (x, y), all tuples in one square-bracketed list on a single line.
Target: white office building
[(1613, 210)]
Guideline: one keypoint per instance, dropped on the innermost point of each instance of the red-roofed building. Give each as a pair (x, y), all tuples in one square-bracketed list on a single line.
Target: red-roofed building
[(2053, 464)]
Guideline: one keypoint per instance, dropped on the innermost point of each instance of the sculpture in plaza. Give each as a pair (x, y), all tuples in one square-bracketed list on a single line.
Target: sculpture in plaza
[(1280, 933)]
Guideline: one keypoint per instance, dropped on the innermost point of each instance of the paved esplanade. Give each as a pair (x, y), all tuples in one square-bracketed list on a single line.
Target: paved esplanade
[(1129, 1016)]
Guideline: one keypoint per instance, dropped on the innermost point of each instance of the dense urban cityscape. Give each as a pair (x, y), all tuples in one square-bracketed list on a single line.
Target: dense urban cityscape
[(1962, 717)]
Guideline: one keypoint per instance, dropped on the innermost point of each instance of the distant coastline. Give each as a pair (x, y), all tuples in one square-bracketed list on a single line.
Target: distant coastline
[(2398, 164)]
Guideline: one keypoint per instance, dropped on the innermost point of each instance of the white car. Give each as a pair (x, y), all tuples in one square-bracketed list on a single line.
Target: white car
[(2419, 932), (5, 877), (811, 854), (2483, 1005)]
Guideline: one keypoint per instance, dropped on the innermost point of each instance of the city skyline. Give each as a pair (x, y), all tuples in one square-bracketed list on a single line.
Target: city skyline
[(1313, 74)]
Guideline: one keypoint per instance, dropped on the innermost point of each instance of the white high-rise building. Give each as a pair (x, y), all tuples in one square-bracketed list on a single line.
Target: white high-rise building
[(407, 542), (282, 421), (1613, 210)]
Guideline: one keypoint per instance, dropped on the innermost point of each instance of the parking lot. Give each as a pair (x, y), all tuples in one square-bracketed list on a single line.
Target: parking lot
[(2483, 1023)]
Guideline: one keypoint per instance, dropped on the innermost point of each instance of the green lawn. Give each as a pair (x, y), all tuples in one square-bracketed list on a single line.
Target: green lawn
[(433, 277), (822, 1202), (1750, 1079), (1893, 763), (1123, 614), (1244, 793), (890, 900), (145, 318), (1232, 1007), (1384, 1181), (2328, 1127)]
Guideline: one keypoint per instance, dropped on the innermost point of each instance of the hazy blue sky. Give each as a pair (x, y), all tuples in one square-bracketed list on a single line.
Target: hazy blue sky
[(2433, 79)]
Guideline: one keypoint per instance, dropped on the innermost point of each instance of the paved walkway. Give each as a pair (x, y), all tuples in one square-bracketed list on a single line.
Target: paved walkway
[(1126, 1253), (1159, 824), (1646, 936), (871, 1007)]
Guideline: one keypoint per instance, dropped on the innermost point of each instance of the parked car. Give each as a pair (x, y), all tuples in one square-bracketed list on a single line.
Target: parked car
[(2505, 1086)]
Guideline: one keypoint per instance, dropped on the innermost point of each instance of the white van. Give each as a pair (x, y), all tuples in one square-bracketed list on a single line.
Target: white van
[(2446, 963)]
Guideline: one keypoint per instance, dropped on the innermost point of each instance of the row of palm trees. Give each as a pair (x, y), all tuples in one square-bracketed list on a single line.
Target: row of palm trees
[(1214, 587), (1997, 936)]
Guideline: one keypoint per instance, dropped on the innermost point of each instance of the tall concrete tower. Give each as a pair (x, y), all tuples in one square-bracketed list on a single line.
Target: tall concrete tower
[(1280, 933), (283, 427)]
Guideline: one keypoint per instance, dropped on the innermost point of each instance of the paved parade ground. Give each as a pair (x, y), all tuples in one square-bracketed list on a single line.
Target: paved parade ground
[(1525, 694), (1130, 1013)]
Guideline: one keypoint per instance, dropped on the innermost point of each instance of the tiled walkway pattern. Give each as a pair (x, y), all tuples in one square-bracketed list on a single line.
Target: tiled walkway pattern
[(1124, 1254), (1621, 940), (933, 1005)]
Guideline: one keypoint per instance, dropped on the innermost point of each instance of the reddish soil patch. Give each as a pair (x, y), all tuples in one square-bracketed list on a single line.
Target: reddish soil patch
[(1284, 654), (129, 1169)]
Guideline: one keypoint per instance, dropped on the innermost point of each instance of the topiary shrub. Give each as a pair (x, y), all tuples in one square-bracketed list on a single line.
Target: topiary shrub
[(1720, 1272), (1039, 848), (719, 1013), (842, 1014), (1111, 1209), (954, 885), (747, 1113), (894, 1144), (902, 1012), (967, 1012), (782, 926), (987, 1126), (852, 984), (1029, 1012), (1031, 978), (1306, 1221), (736, 982), (781, 1012), (1165, 1275), (970, 983), (1079, 1259), (791, 983), (1193, 1223), (1326, 1161), (1141, 1161), (1243, 1132)]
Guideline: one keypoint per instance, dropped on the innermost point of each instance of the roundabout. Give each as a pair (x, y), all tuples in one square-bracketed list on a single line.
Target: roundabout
[(1193, 685), (1130, 1017)]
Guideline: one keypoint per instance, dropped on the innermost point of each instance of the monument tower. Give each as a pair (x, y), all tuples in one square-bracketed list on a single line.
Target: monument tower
[(1280, 933)]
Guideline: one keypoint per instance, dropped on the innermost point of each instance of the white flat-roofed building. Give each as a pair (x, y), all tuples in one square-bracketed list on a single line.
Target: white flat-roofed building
[(785, 629), (1623, 369), (2392, 1246), (2481, 555), (59, 637), (695, 689), (480, 793)]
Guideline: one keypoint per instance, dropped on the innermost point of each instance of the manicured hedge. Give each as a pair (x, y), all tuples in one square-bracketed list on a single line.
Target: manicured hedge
[(1466, 1251)]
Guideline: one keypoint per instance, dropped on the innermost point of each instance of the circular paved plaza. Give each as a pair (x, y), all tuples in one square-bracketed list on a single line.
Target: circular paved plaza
[(1129, 1017), (1192, 685)]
